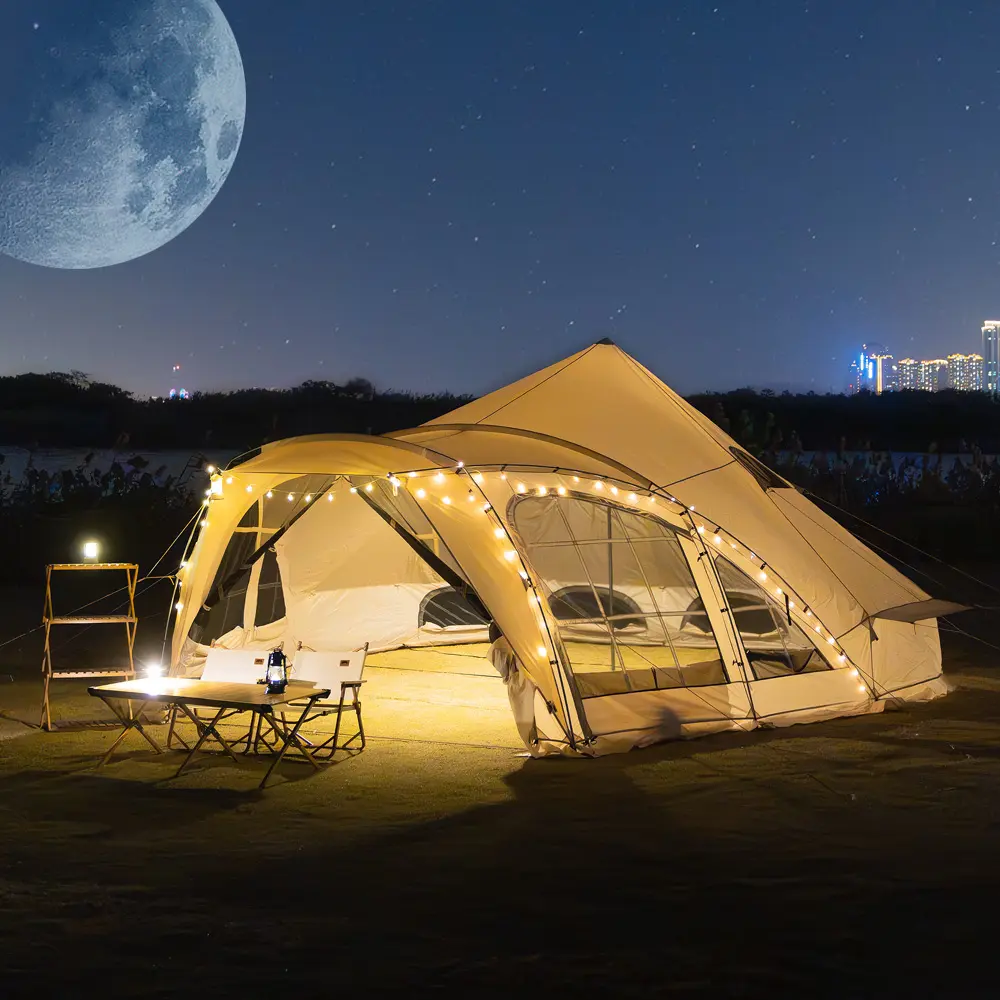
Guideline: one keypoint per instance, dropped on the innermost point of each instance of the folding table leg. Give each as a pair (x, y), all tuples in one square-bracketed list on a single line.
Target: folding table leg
[(290, 737), (129, 720), (205, 731)]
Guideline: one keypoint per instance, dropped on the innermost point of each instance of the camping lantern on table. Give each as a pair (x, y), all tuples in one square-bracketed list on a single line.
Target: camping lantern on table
[(276, 676)]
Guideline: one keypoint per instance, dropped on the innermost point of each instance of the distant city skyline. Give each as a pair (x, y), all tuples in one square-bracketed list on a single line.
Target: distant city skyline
[(876, 369)]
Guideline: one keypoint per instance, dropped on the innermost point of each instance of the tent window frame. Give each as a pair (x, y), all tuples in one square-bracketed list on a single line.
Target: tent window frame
[(669, 532), (435, 595), (817, 654)]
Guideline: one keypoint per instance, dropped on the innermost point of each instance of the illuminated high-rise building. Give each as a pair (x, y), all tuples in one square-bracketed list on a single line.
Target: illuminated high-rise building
[(933, 375), (872, 370), (991, 355), (909, 373), (965, 372)]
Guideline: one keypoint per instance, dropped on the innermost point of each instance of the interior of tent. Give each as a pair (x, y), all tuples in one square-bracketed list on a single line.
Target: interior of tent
[(633, 615)]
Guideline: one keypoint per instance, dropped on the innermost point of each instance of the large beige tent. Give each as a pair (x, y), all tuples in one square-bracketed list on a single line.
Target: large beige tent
[(653, 579)]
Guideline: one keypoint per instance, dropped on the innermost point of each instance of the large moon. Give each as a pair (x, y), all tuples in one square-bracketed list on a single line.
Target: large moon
[(121, 124)]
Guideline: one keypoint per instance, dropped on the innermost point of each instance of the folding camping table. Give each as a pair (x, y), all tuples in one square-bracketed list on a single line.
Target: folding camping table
[(227, 699)]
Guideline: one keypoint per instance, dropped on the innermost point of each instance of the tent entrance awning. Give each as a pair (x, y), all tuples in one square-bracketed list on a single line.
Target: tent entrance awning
[(920, 611)]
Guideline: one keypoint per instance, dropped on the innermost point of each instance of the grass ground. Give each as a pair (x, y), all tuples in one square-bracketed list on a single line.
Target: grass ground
[(856, 857)]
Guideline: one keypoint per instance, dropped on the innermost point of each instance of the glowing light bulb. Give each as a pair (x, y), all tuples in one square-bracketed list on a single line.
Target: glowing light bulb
[(752, 557), (561, 491), (249, 489), (733, 545), (290, 498), (652, 499), (91, 550), (632, 498), (439, 478), (576, 479), (842, 658), (446, 501), (183, 565), (308, 498), (854, 672), (763, 575), (542, 651), (521, 488), (329, 497), (210, 469), (809, 614), (269, 494), (510, 555), (862, 688), (542, 491), (369, 487), (818, 628), (461, 465), (503, 476), (691, 507), (204, 524), (523, 575), (477, 477), (831, 641), (229, 480), (208, 493), (179, 606), (791, 604), (778, 591), (420, 494), (499, 532), (471, 498), (614, 491), (205, 502), (701, 529), (598, 485), (354, 489), (717, 539), (395, 482), (411, 475)]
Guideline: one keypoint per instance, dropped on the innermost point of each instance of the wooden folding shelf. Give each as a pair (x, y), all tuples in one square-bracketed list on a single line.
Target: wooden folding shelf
[(50, 618)]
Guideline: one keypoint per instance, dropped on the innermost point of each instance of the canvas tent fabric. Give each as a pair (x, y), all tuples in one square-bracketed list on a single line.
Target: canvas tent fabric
[(651, 578)]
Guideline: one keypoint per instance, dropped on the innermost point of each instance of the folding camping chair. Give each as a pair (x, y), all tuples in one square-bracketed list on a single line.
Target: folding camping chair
[(341, 673), (236, 666)]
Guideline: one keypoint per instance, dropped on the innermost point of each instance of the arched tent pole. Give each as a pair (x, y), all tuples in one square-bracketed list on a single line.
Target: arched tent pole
[(735, 637), (640, 479), (559, 673)]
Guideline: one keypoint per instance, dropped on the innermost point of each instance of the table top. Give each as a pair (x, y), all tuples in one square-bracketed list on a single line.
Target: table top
[(220, 694)]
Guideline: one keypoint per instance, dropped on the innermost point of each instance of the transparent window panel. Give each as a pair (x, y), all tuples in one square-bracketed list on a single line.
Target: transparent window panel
[(277, 509), (775, 646), (270, 596), (251, 518)]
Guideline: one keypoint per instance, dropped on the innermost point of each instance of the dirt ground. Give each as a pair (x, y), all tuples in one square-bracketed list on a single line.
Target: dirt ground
[(852, 858)]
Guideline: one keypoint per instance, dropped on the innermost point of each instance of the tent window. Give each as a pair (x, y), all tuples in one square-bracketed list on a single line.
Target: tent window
[(595, 603), (620, 587), (775, 647), (447, 608), (270, 596), (251, 517), (766, 479), (227, 611)]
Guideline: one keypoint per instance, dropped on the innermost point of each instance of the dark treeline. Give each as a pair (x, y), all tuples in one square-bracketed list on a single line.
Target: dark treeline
[(70, 410)]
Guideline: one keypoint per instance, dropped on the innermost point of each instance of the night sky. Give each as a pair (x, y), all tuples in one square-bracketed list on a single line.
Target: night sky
[(445, 195)]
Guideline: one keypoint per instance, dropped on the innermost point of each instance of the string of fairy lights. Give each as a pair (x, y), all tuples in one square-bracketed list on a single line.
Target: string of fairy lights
[(446, 486)]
